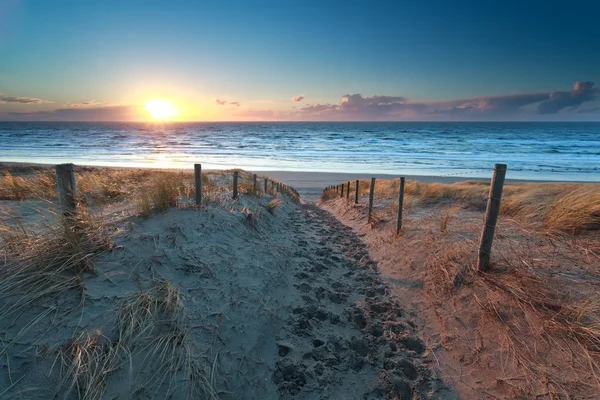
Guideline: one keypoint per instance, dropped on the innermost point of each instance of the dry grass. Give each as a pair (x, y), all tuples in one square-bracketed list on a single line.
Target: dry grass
[(567, 207), (154, 324), (87, 362), (38, 266), (273, 204), (328, 195), (36, 185), (152, 328), (163, 192), (530, 328)]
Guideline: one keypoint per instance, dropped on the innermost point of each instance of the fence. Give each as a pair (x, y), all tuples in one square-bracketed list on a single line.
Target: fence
[(67, 187), (491, 213)]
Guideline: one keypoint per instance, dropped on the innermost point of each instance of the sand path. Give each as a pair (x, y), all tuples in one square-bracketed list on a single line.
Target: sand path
[(345, 338)]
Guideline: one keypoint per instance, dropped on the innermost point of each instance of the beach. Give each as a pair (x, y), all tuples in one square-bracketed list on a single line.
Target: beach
[(270, 295)]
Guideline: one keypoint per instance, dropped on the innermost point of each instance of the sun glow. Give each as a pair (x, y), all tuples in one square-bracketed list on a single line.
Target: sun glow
[(160, 109)]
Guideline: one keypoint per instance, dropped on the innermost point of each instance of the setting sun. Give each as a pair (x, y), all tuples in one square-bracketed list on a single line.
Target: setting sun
[(160, 109)]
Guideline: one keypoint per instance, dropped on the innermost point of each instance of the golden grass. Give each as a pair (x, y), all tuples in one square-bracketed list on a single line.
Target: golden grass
[(567, 207), (273, 204), (48, 262), (576, 211), (36, 185), (328, 195)]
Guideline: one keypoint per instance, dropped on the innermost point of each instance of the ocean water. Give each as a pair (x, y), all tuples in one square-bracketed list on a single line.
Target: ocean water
[(544, 151)]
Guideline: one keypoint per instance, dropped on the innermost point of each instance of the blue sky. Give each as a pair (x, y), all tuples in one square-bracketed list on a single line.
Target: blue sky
[(67, 59)]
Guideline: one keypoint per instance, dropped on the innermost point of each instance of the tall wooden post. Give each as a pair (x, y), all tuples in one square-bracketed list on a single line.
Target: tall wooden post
[(67, 188), (356, 194), (491, 216), (342, 190), (266, 183), (198, 183), (255, 184), (348, 191), (235, 184), (371, 192), (400, 203)]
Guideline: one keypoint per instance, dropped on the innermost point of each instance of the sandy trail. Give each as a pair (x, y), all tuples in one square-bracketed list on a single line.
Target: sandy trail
[(345, 338)]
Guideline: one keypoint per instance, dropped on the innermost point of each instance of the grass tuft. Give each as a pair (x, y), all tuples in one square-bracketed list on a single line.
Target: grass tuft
[(273, 204)]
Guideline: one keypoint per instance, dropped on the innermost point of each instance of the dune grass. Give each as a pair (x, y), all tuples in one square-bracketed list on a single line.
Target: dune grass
[(155, 325), (273, 204), (39, 184), (87, 362), (537, 311), (566, 207)]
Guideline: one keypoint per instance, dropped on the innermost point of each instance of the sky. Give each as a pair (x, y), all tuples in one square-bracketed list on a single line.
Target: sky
[(240, 60)]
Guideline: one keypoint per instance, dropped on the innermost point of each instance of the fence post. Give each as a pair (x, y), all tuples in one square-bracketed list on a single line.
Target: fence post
[(348, 191), (255, 184), (371, 192), (491, 216), (342, 190), (235, 184), (198, 183), (266, 183), (400, 203), (67, 188), (356, 194)]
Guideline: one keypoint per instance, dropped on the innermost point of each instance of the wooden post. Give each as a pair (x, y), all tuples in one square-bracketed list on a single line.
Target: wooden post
[(198, 182), (342, 190), (356, 194), (400, 203), (266, 183), (235, 184), (371, 192), (255, 184), (491, 216), (67, 188), (348, 191)]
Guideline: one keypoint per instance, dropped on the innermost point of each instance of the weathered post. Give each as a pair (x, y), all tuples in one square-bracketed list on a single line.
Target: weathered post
[(266, 183), (491, 216), (198, 183), (356, 194), (348, 191), (371, 192), (67, 189), (255, 184), (342, 190), (400, 203), (235, 184)]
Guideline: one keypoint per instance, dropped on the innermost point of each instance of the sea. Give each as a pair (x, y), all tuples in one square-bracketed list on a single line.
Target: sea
[(568, 151)]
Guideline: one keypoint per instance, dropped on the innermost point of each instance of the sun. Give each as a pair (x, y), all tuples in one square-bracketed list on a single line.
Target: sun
[(160, 109)]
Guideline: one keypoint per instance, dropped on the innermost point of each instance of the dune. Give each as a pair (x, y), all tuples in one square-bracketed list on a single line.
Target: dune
[(146, 295)]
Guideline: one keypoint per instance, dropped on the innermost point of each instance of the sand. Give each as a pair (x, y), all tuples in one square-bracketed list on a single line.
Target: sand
[(275, 305), (487, 345)]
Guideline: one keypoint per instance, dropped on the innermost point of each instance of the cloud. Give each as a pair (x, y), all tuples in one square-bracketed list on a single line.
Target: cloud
[(91, 103), (225, 103), (589, 110), (582, 92), (22, 100), (107, 113), (298, 98), (380, 107)]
